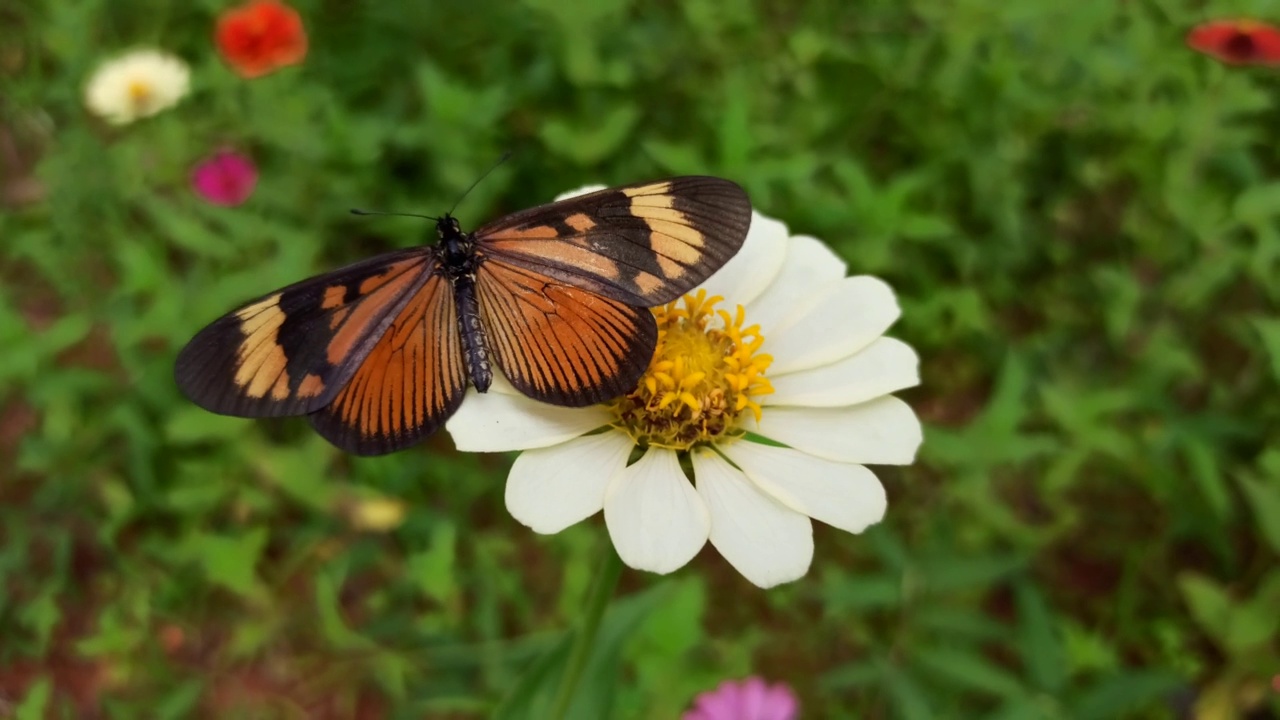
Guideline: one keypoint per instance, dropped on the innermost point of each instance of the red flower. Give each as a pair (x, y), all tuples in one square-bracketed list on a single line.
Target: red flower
[(1237, 42), (261, 36)]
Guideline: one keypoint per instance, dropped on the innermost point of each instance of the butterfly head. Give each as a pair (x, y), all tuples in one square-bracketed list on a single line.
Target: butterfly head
[(448, 228), (453, 243)]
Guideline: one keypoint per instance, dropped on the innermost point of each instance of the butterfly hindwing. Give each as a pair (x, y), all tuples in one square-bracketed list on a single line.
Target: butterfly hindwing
[(290, 352), (643, 244), (559, 343), (410, 382)]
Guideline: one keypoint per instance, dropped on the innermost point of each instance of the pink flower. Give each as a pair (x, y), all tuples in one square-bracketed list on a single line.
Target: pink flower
[(749, 699), (225, 178)]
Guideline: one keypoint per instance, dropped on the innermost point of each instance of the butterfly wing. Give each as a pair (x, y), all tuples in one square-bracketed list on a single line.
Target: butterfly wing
[(559, 343), (643, 244), (410, 382), (290, 352)]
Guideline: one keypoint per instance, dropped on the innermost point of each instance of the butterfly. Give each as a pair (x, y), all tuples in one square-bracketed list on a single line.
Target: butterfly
[(379, 354)]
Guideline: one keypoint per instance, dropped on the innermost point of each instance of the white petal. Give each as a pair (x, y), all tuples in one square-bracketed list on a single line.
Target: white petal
[(580, 191), (842, 495), (883, 431), (808, 267), (756, 265), (844, 318), (766, 541), (551, 488), (658, 522), (497, 422), (886, 365), (502, 385)]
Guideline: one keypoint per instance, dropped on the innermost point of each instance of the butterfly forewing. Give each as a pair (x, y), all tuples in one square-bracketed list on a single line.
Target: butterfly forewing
[(559, 343), (643, 244), (411, 381), (290, 352)]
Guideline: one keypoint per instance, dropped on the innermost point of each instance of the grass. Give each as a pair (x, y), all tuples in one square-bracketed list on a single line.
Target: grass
[(1079, 216)]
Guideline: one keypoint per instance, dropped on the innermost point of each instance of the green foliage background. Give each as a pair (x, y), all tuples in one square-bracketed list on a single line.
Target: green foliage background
[(1078, 213)]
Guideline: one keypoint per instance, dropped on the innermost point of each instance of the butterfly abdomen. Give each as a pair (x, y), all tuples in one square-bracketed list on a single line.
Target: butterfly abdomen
[(458, 256), (475, 344)]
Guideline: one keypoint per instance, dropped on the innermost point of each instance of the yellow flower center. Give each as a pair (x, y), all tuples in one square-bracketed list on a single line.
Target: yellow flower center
[(140, 94), (703, 376)]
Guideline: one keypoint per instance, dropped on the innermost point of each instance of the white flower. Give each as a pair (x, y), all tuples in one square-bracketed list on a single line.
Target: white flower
[(822, 390), (135, 85)]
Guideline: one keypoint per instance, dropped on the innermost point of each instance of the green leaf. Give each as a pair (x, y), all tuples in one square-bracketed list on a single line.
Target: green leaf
[(433, 569), (42, 614), (967, 668), (1039, 644), (536, 685), (951, 574), (1209, 603), (1263, 498), (1252, 626), (181, 702), (907, 696), (191, 424), (35, 703), (179, 228), (1119, 695), (675, 158), (1258, 203), (1208, 476), (299, 472), (1269, 330), (589, 143), (530, 699), (230, 560)]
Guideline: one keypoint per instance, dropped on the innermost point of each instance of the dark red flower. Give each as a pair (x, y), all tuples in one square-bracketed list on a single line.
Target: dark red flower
[(1237, 42), (261, 36)]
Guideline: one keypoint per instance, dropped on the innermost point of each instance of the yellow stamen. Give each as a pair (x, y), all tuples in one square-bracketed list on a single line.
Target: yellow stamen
[(705, 373), (140, 94)]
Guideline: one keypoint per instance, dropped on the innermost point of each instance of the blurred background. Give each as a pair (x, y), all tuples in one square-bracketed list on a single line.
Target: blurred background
[(1079, 215)]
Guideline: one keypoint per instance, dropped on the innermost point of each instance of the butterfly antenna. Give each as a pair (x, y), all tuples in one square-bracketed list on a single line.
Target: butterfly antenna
[(355, 211), (501, 160)]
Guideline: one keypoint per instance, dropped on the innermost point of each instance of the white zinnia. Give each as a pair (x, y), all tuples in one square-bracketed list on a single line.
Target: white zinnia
[(135, 85), (832, 373)]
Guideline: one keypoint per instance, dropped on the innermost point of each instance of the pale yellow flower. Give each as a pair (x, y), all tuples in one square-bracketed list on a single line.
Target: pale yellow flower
[(135, 85)]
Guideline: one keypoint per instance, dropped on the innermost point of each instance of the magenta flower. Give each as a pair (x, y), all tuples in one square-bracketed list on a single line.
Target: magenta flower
[(749, 699), (225, 178)]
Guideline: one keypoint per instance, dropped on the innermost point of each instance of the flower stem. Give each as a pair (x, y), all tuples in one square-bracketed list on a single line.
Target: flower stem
[(598, 596)]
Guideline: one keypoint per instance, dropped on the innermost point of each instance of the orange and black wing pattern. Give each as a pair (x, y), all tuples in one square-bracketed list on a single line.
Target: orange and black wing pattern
[(564, 288), (643, 244), (410, 382), (559, 343), (291, 352)]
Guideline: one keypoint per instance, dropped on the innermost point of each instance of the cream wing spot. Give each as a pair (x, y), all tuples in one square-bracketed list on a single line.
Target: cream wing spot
[(280, 390), (253, 310), (261, 359), (659, 188), (647, 283), (671, 269), (688, 238)]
